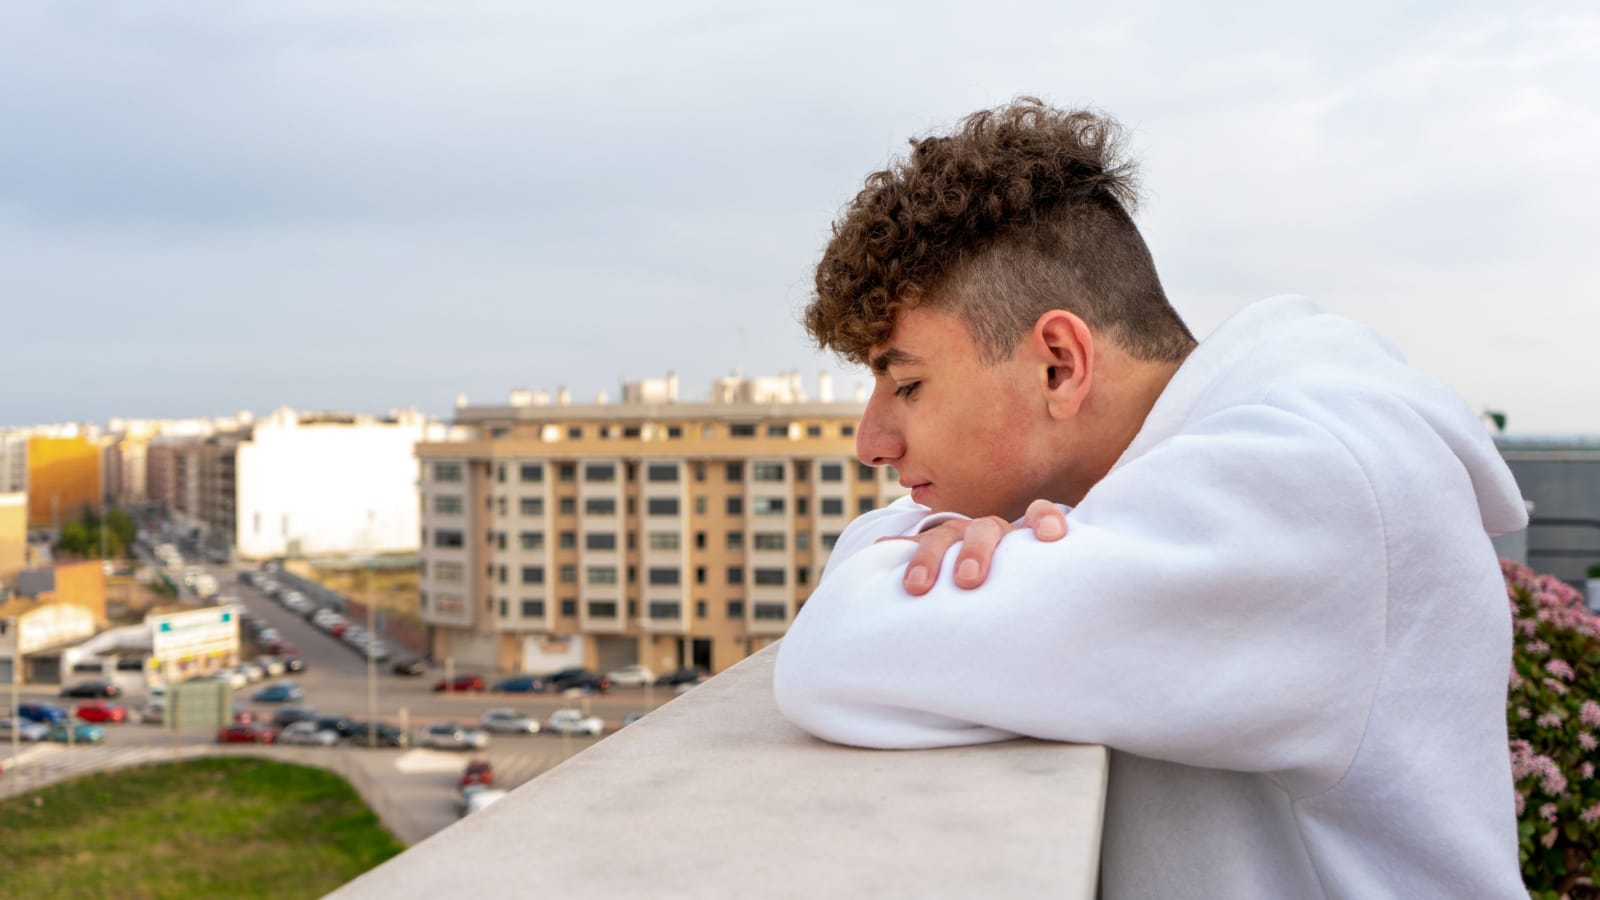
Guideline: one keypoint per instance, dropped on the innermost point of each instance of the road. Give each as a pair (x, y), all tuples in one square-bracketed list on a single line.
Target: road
[(413, 790)]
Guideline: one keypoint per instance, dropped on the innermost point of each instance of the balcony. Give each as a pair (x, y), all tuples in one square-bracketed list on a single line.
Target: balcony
[(716, 795)]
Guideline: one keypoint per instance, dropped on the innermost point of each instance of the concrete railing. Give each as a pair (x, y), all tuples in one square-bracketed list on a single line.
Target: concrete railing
[(716, 795)]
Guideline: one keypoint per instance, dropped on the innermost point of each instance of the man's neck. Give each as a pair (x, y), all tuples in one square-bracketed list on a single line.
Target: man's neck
[(1127, 389)]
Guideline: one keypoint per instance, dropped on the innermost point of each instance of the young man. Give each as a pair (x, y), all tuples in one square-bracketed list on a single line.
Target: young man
[(1273, 597)]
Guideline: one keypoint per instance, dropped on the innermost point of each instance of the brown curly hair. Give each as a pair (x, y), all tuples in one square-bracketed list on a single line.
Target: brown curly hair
[(1023, 210)]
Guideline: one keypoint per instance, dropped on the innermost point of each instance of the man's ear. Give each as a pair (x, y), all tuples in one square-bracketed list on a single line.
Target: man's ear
[(1064, 350)]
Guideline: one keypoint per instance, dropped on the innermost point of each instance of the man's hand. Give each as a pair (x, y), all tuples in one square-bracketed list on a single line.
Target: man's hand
[(978, 537)]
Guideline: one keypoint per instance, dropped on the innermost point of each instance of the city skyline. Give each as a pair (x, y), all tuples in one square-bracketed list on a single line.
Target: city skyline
[(373, 208)]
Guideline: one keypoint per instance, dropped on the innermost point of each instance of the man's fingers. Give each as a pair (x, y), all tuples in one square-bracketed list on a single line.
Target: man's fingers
[(931, 548), (972, 563), (1045, 520)]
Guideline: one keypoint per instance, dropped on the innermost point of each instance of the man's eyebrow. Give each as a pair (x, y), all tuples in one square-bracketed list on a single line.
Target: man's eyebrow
[(893, 356)]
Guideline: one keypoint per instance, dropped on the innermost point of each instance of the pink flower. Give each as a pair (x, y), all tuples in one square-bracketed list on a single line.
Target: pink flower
[(1536, 647), (1559, 669), (1590, 713), (1555, 685), (1551, 719), (1586, 769), (1547, 812), (1522, 803), (1524, 713), (1591, 815), (1515, 681), (1587, 741)]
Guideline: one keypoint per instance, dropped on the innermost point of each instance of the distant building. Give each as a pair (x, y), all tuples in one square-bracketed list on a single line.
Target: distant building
[(649, 531), (13, 538), (1560, 477), (58, 467)]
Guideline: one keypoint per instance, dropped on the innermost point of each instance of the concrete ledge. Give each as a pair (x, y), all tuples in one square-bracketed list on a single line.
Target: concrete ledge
[(716, 795)]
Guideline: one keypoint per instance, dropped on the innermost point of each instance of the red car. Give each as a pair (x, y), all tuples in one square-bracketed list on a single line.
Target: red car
[(100, 711), (461, 683), (247, 734), (478, 772)]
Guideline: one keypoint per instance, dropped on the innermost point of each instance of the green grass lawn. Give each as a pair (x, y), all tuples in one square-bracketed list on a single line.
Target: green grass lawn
[(234, 827)]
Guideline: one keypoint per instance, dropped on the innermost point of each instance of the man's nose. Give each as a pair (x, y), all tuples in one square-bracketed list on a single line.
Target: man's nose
[(878, 441)]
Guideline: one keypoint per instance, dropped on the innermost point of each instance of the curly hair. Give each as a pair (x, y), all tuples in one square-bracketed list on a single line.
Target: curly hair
[(1023, 210)]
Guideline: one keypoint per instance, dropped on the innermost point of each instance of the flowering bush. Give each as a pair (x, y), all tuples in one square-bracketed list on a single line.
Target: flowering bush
[(1554, 722)]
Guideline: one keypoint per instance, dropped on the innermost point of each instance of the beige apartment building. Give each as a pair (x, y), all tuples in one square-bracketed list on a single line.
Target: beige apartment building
[(647, 531)]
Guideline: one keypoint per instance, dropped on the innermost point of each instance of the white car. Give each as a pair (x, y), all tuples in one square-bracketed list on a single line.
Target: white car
[(307, 733), (573, 721), (632, 676), (154, 712), (26, 730), (508, 721), (447, 736), (475, 797)]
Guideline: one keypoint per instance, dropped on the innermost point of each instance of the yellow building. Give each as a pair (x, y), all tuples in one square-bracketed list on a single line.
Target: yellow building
[(13, 536), (648, 531), (63, 478)]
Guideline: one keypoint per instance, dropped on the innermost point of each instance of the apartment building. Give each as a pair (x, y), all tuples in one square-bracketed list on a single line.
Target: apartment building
[(647, 531)]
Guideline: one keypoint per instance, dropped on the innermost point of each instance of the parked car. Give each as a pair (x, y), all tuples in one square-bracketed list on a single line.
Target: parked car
[(449, 736), (234, 677), (272, 664), (252, 672), (307, 733), (154, 712), (573, 721), (632, 676), (291, 658), (413, 666), (631, 718), (686, 675), (96, 689), (26, 730), (41, 712), (289, 715), (101, 711), (478, 771), (343, 725), (508, 721), (282, 692), (520, 684), (247, 734), (82, 733), (460, 683), (474, 797), (577, 679), (386, 736)]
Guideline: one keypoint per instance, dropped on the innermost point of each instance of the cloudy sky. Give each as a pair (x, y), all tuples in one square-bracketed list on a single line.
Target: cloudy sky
[(212, 207)]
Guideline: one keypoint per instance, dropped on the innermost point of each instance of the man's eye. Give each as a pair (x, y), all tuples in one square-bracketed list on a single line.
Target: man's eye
[(905, 391)]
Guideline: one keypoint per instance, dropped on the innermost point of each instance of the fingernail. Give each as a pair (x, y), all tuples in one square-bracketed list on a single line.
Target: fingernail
[(1050, 529), (968, 570), (917, 577)]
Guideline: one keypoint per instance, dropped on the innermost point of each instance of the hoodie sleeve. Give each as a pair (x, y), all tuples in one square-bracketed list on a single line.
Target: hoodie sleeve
[(1218, 601)]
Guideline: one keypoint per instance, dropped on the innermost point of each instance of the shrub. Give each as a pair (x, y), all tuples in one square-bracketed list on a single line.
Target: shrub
[(1554, 720)]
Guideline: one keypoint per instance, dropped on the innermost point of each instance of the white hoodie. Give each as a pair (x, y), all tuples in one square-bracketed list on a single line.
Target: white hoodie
[(1280, 610)]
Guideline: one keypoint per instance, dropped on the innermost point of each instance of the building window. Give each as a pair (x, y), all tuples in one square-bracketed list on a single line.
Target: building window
[(699, 540), (600, 540), (735, 506), (447, 504), (533, 609), (736, 574), (567, 506), (699, 471), (449, 572), (770, 577), (600, 506), (501, 575), (829, 538), (700, 505), (602, 609), (777, 431), (568, 471), (633, 609), (674, 432), (504, 611), (802, 576), (569, 574), (864, 505), (500, 476), (602, 574), (699, 574), (574, 432), (699, 609), (813, 431), (832, 506), (735, 540), (847, 430), (531, 540), (531, 506), (735, 471), (663, 575), (447, 471), (865, 472), (802, 540), (567, 540), (661, 472), (735, 609), (769, 540), (664, 540), (661, 506), (767, 471), (802, 470), (500, 540), (422, 600), (533, 574), (770, 612), (569, 606), (448, 538), (767, 506), (600, 472), (532, 472), (801, 506), (741, 431), (665, 609), (831, 471)]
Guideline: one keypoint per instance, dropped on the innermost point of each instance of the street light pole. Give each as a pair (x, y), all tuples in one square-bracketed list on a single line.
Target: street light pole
[(9, 627), (372, 670)]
